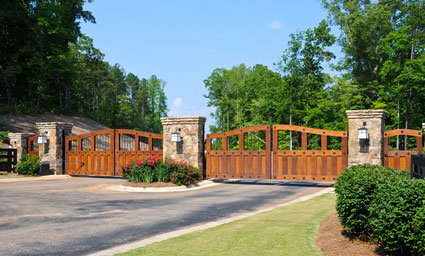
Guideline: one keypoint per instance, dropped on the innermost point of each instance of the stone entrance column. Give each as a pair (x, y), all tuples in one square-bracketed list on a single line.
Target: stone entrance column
[(368, 151), (191, 149), (53, 151), (20, 143)]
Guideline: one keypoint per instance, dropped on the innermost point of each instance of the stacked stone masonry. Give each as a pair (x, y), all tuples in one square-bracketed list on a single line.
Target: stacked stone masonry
[(372, 152), (52, 152), (191, 149), (19, 142)]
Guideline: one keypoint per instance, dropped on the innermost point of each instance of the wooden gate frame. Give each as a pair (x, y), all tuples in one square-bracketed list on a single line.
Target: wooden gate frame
[(401, 159), (231, 163), (307, 164), (108, 162), (30, 140)]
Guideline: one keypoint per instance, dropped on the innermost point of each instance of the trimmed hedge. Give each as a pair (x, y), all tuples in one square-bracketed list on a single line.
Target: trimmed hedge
[(384, 204), (398, 216), (355, 188)]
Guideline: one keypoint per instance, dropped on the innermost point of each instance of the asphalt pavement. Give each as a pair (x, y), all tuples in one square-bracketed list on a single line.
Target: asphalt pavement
[(79, 215)]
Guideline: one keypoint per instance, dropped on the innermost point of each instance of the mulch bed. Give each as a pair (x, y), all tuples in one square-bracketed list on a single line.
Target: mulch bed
[(332, 239), (150, 185)]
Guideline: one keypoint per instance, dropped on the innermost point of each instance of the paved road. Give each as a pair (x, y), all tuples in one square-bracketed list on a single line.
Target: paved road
[(77, 216)]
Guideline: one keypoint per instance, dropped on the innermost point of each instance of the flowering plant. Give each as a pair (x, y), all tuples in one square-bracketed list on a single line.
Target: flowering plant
[(154, 169)]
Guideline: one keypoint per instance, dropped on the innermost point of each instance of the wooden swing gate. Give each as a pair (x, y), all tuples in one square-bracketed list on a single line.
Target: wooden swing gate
[(102, 153), (401, 159), (294, 153)]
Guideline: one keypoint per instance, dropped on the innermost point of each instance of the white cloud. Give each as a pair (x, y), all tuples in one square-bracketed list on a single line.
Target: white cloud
[(275, 24), (176, 108)]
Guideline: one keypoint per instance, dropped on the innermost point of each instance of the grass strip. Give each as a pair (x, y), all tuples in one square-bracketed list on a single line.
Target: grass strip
[(288, 230), (11, 176)]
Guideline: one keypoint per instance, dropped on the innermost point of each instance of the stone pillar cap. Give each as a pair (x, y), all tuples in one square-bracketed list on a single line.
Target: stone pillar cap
[(19, 134), (183, 120), (366, 113)]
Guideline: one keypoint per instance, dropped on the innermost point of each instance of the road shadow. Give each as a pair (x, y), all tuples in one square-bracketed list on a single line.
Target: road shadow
[(274, 183)]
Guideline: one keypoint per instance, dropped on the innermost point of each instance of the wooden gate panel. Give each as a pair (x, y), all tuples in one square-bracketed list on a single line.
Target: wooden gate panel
[(401, 159), (103, 156), (88, 159), (305, 164), (240, 164)]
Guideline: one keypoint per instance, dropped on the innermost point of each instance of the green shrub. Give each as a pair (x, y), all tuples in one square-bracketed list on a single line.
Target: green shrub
[(155, 169), (28, 165), (398, 216), (355, 188)]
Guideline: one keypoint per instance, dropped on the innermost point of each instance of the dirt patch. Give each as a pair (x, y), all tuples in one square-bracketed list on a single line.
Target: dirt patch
[(333, 240), (26, 123), (149, 185)]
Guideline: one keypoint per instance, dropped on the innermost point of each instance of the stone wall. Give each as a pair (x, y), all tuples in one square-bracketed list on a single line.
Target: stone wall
[(371, 151), (20, 143), (191, 149), (52, 152)]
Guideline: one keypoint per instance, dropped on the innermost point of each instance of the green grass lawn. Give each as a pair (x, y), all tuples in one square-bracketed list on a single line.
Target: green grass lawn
[(289, 230), (11, 176)]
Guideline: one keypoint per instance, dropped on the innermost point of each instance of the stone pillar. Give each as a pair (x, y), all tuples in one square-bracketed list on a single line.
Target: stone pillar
[(20, 143), (192, 131), (370, 151), (53, 151)]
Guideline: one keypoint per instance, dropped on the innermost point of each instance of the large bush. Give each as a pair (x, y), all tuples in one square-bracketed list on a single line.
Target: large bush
[(398, 216), (154, 169), (28, 165), (355, 188)]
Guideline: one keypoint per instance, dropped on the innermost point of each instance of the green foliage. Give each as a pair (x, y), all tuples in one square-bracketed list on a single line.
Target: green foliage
[(4, 135), (398, 216), (155, 169), (28, 165), (355, 189), (47, 65), (384, 204)]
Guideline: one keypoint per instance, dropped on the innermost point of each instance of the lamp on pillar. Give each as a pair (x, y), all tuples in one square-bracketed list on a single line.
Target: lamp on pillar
[(175, 136), (42, 139), (363, 134)]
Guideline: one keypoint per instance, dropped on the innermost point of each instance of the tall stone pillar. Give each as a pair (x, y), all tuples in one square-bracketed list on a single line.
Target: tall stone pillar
[(366, 151), (53, 150), (192, 130), (20, 143)]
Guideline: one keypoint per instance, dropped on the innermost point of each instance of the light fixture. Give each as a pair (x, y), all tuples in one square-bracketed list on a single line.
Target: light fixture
[(175, 136), (363, 134), (42, 139)]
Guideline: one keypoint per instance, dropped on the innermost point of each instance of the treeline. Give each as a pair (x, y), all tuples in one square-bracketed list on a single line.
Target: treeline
[(383, 66), (48, 66)]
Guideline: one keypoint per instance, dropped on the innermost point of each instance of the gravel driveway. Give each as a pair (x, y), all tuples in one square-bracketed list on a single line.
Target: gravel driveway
[(77, 216)]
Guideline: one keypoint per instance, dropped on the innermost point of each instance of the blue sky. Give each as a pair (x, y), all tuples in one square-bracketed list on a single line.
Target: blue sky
[(182, 42)]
